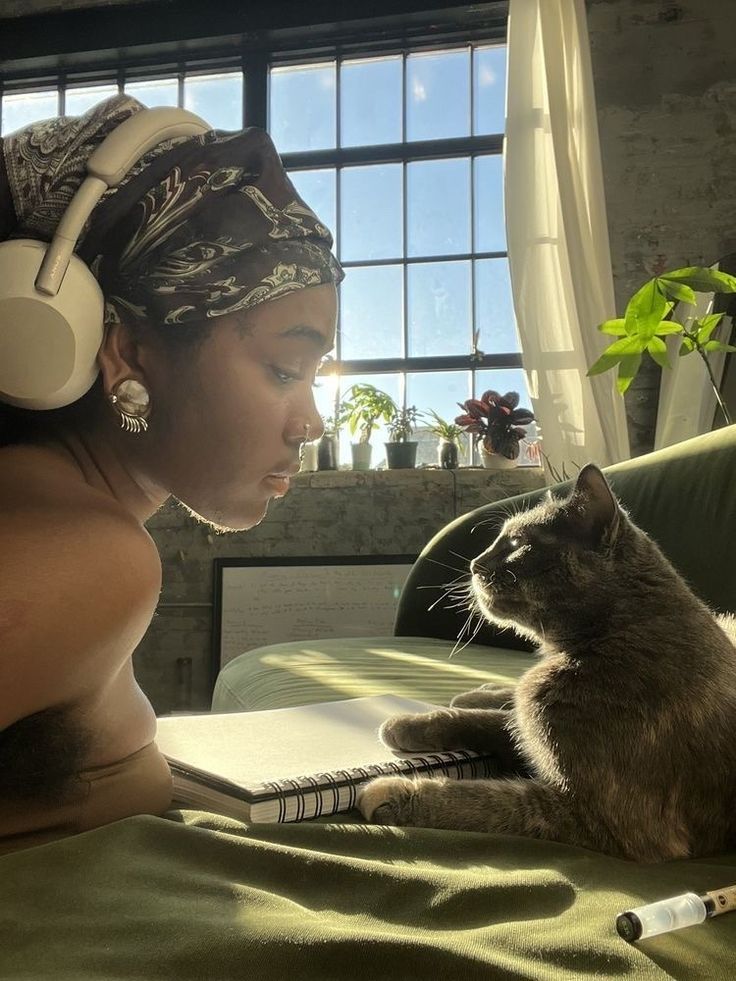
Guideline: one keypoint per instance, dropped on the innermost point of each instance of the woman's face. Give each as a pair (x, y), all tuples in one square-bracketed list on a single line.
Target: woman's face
[(226, 428)]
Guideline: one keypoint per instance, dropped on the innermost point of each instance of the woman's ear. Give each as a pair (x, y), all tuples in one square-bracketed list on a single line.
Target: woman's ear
[(119, 357)]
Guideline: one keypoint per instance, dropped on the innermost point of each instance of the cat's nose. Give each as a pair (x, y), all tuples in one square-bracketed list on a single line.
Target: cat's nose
[(485, 564)]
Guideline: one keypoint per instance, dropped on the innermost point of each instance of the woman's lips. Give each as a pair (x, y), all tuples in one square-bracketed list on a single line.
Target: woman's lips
[(279, 483)]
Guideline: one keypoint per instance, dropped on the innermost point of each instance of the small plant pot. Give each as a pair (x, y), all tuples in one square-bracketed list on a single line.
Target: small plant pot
[(361, 455), (327, 453), (496, 461), (308, 458), (447, 454), (401, 456)]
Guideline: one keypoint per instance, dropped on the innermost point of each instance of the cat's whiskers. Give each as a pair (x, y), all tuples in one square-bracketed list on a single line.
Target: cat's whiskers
[(455, 586), (465, 558), (452, 568), (457, 650), (507, 511)]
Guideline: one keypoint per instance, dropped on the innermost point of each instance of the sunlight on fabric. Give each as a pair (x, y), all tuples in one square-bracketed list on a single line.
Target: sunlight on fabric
[(441, 666)]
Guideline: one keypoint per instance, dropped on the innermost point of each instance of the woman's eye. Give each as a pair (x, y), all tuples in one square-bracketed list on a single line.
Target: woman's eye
[(284, 376)]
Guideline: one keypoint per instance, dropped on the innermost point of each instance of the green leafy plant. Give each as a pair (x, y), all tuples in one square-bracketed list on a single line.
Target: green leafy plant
[(445, 430), (365, 406), (335, 422), (401, 425), (495, 421), (645, 325)]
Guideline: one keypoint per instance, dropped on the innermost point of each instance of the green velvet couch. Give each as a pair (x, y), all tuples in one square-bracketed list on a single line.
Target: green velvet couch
[(197, 896)]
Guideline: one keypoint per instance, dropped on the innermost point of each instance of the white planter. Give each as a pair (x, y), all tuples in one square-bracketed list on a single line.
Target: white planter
[(361, 455), (308, 458), (495, 461)]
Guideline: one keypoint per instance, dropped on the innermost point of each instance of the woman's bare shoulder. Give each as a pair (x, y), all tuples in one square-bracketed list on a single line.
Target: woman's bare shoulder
[(81, 580)]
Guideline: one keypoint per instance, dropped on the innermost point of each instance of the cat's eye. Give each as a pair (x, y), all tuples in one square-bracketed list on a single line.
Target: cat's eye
[(514, 543)]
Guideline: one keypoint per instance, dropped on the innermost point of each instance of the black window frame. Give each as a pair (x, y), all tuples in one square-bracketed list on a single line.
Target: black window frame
[(45, 51)]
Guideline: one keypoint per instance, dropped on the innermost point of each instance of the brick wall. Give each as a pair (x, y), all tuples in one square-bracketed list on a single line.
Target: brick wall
[(665, 82)]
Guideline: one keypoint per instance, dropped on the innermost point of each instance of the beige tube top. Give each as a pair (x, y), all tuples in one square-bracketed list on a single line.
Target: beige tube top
[(138, 784)]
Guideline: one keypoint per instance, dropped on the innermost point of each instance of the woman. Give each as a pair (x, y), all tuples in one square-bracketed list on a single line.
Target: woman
[(220, 301)]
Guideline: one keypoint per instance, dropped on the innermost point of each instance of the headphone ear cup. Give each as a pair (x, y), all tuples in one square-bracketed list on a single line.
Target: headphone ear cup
[(48, 344)]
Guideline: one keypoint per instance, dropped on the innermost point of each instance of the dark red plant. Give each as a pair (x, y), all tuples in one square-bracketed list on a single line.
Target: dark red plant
[(495, 421)]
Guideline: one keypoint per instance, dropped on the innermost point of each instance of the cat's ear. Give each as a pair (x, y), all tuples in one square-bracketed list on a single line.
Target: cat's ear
[(598, 507)]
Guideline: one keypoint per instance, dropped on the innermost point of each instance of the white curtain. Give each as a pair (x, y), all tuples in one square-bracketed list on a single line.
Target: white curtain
[(557, 233), (687, 404)]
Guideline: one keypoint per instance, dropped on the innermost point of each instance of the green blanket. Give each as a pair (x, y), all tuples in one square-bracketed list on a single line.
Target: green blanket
[(203, 897)]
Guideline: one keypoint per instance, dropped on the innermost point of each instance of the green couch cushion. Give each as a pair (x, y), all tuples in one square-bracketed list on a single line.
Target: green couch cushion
[(203, 898), (282, 675)]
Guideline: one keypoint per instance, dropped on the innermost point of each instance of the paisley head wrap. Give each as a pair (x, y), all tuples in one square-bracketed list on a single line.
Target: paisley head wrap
[(201, 227)]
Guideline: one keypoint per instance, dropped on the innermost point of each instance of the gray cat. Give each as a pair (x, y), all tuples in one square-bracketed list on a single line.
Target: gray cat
[(622, 738)]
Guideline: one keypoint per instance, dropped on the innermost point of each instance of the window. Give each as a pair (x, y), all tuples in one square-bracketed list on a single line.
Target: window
[(398, 150)]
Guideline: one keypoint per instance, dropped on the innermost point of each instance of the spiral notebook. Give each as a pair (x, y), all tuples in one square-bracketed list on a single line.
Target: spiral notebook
[(292, 764)]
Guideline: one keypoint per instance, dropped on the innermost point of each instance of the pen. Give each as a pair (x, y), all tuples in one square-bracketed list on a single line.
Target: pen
[(674, 913)]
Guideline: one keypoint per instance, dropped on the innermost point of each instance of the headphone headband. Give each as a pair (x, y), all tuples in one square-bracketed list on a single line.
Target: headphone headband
[(107, 166), (51, 306)]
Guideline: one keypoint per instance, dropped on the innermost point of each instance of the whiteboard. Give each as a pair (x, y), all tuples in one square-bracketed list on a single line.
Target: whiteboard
[(271, 601)]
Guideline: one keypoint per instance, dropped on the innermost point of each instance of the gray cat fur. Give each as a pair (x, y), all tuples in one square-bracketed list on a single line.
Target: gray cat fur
[(622, 738)]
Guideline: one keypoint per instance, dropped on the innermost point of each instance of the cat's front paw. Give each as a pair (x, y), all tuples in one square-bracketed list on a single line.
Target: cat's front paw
[(386, 800), (485, 697), (417, 733)]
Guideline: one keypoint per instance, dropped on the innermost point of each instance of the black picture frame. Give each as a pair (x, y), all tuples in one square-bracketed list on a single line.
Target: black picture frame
[(318, 566)]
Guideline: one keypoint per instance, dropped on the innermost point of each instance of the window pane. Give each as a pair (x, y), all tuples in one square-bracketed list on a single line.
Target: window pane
[(155, 92), (218, 99), (387, 383), (317, 188), (438, 203), (437, 95), (490, 89), (372, 312), (79, 100), (440, 391), (494, 308), (439, 308), (371, 223), (325, 390), (302, 107), (370, 101), (22, 110), (490, 230)]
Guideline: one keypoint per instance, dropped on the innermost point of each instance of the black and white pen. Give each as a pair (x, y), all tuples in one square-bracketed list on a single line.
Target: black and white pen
[(675, 913)]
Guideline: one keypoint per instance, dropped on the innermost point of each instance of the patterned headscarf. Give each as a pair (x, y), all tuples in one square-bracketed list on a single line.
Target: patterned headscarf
[(201, 227)]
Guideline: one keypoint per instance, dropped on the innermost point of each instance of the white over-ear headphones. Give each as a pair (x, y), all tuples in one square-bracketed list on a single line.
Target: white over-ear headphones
[(51, 306)]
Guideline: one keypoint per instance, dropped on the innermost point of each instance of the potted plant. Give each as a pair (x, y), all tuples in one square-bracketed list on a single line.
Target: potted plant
[(327, 455), (401, 452), (645, 325), (495, 423), (448, 433), (365, 406), (327, 445)]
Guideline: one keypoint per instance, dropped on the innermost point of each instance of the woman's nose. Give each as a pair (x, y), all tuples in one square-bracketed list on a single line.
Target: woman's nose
[(315, 426)]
